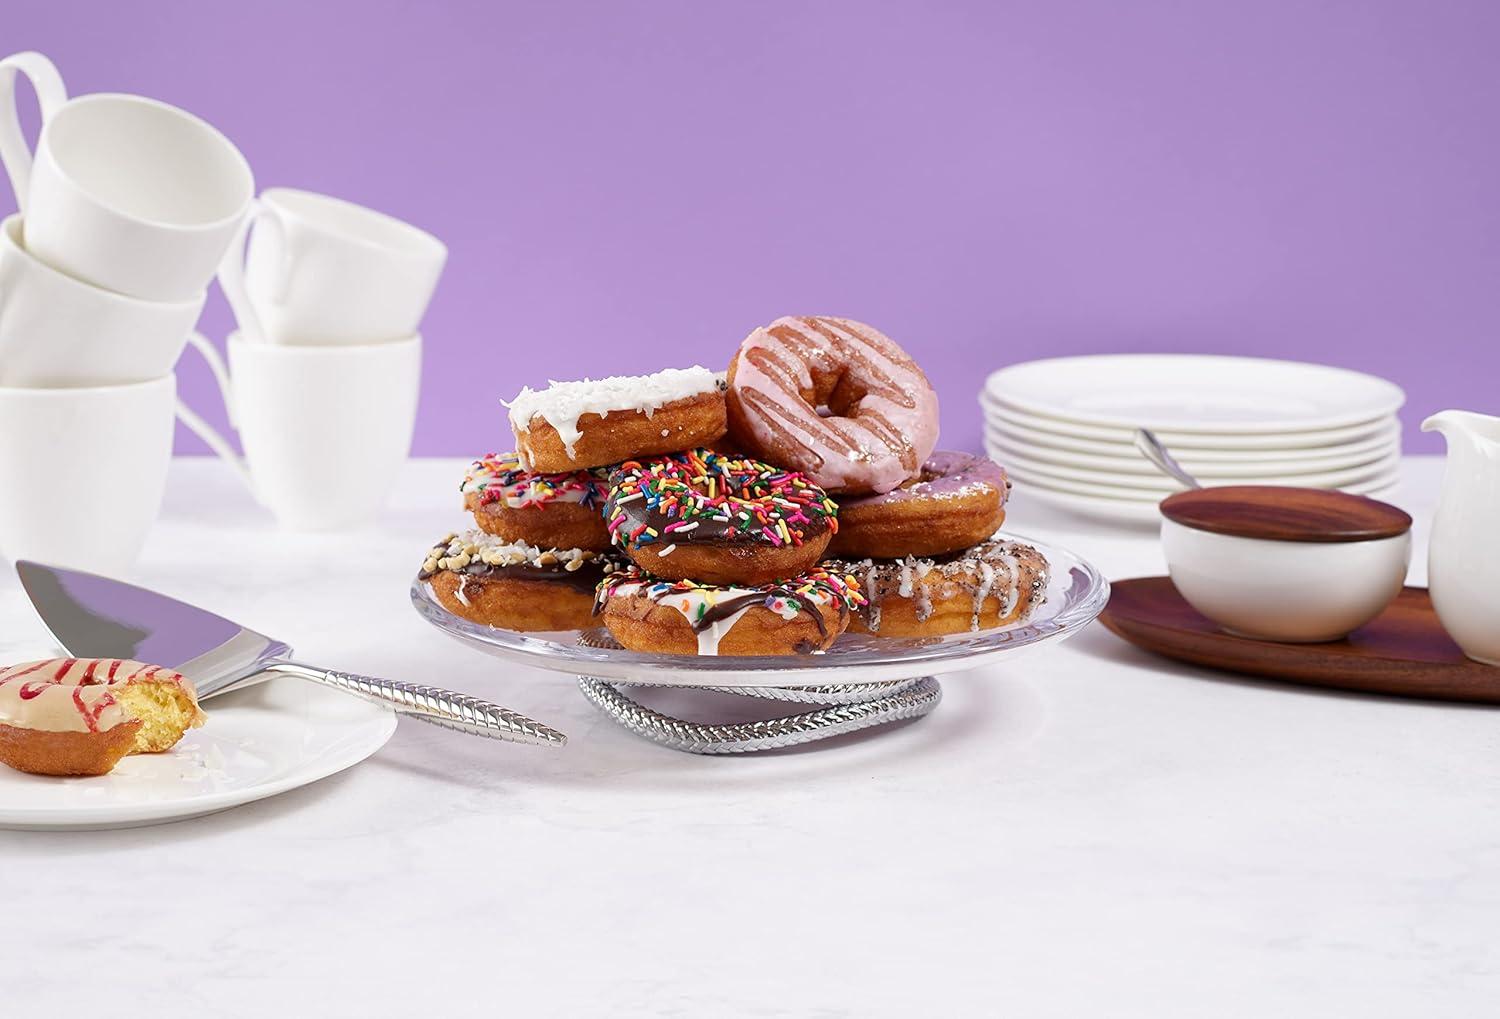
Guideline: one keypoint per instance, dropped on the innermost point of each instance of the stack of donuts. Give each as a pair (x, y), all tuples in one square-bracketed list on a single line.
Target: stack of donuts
[(761, 512)]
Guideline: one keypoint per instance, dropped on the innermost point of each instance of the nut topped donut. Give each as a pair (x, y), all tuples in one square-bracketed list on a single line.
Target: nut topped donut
[(718, 519), (883, 420), (797, 616), (956, 501), (550, 510), (513, 585), (570, 426)]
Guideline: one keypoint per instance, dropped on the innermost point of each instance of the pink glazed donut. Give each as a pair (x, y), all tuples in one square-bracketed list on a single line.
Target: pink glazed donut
[(882, 414)]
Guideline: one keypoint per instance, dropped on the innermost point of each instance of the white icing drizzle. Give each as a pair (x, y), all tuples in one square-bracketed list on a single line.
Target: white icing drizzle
[(986, 582), (561, 404), (710, 637), (872, 599)]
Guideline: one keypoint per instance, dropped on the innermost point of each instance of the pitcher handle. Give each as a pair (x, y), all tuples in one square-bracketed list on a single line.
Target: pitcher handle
[(15, 154), (201, 428)]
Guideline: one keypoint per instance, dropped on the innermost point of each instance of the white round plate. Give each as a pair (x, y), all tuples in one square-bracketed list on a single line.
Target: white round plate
[(1105, 491), (1028, 481), (258, 741), (1130, 461), (1194, 393), (1131, 511), (1076, 593), (1035, 431), (1163, 485), (1002, 416)]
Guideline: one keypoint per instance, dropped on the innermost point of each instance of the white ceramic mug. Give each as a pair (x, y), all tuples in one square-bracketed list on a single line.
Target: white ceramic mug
[(58, 331), (124, 192), (320, 270), (325, 429), (82, 472)]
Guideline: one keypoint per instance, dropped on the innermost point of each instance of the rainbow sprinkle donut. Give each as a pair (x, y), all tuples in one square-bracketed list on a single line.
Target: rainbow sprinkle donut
[(701, 497), (812, 609), (499, 477)]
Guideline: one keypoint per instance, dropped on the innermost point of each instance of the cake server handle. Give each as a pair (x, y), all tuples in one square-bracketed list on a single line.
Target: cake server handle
[(446, 708)]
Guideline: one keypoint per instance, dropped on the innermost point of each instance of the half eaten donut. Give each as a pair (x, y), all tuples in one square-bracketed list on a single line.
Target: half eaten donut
[(79, 716)]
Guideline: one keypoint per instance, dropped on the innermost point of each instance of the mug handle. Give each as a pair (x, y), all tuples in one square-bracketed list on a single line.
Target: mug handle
[(232, 282), (201, 428), (15, 154)]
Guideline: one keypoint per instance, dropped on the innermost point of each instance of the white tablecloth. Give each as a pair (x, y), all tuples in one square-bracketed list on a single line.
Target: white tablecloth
[(1088, 831)]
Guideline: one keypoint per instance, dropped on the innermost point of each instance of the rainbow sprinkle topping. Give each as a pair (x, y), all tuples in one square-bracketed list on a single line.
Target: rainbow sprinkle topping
[(697, 601), (699, 495), (500, 477)]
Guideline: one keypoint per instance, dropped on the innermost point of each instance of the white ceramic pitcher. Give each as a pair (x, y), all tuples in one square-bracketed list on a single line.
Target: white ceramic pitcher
[(1463, 559)]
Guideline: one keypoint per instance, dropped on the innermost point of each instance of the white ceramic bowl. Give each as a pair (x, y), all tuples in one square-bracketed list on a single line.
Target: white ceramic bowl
[(1289, 591)]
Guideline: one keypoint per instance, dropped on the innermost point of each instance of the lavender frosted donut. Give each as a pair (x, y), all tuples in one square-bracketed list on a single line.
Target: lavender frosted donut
[(957, 500), (882, 419)]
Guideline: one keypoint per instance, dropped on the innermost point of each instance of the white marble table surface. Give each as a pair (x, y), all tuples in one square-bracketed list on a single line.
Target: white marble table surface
[(1088, 831)]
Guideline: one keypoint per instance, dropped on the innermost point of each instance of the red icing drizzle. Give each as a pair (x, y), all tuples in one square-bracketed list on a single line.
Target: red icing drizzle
[(91, 718), (91, 677)]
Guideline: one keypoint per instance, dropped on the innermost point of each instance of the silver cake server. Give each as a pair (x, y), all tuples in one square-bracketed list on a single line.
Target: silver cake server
[(96, 617)]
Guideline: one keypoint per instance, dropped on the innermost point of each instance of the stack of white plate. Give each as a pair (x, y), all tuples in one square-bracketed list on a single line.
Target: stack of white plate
[(1064, 427)]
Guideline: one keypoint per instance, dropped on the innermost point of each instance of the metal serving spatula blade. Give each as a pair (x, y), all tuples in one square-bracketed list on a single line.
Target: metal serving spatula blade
[(96, 617)]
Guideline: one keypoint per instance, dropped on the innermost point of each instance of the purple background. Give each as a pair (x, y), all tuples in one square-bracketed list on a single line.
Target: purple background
[(625, 186)]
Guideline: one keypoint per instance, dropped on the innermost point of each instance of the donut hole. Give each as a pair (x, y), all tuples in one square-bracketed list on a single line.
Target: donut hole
[(845, 396), (835, 393)]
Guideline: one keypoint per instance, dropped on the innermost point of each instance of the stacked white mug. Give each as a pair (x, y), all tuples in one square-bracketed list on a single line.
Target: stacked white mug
[(127, 206), (323, 373)]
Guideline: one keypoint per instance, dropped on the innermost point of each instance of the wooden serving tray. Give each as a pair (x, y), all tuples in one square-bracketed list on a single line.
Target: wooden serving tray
[(1403, 651)]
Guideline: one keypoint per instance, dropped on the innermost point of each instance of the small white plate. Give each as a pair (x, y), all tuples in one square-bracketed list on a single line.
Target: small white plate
[(1038, 432), (1195, 393), (1159, 483), (1004, 416), (1129, 460), (258, 742)]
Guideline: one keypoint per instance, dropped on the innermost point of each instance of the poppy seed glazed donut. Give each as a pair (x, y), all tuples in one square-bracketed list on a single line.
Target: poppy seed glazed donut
[(993, 584), (958, 500), (883, 420)]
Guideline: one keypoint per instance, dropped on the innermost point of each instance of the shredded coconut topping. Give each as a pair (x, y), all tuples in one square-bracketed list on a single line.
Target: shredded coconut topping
[(561, 404)]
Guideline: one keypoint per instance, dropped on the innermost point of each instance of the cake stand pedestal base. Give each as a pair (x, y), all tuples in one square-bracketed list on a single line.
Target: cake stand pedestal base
[(834, 711)]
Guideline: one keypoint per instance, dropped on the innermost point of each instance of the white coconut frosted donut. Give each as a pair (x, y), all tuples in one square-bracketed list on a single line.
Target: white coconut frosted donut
[(593, 422)]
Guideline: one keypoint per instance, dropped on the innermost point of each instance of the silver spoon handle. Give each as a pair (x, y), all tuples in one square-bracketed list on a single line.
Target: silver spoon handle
[(431, 704), (1152, 449)]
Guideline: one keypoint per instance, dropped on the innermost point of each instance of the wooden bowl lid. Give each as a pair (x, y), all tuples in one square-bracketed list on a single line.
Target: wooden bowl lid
[(1281, 513)]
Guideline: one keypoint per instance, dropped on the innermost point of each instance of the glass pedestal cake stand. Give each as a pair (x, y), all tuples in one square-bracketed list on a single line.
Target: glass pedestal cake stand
[(860, 682)]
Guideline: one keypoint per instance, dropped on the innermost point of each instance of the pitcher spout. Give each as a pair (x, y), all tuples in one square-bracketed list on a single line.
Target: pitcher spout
[(1480, 432)]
